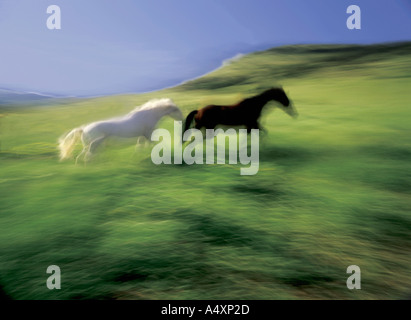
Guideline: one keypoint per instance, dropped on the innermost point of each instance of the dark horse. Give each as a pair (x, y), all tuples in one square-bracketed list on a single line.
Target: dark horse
[(246, 112)]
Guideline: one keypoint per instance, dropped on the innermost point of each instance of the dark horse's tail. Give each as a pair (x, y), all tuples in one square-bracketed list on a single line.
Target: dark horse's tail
[(189, 120)]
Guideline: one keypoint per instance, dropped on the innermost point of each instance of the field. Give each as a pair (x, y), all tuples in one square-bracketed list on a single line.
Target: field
[(333, 190)]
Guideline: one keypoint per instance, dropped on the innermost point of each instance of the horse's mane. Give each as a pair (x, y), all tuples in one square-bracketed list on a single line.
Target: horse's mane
[(153, 104)]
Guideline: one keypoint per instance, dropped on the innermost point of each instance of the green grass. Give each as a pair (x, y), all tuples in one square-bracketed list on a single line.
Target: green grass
[(333, 190)]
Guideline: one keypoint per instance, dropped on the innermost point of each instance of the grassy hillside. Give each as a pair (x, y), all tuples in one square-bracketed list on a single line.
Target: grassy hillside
[(333, 190)]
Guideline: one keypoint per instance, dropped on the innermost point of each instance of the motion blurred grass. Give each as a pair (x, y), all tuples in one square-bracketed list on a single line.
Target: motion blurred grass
[(333, 190)]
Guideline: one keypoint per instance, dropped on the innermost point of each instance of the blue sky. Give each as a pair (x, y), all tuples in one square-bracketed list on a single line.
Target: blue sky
[(108, 46)]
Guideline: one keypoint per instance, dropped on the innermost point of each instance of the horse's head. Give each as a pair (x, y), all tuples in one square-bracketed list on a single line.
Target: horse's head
[(175, 112), (279, 95)]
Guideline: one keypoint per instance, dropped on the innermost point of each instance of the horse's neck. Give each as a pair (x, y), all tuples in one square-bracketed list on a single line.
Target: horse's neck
[(258, 102), (152, 113), (163, 112), (157, 114)]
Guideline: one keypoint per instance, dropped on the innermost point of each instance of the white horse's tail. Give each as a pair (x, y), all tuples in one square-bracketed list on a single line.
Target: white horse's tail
[(68, 142)]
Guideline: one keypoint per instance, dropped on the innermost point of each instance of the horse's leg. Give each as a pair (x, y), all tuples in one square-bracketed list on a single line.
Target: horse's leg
[(141, 141), (85, 142), (148, 135), (263, 131), (259, 127), (197, 126), (93, 145), (209, 127), (81, 153), (254, 125)]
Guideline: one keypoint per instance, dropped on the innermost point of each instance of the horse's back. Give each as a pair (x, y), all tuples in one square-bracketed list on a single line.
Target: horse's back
[(209, 112), (212, 115), (237, 114)]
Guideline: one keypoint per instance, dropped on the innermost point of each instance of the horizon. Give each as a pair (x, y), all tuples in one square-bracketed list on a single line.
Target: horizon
[(224, 63), (147, 46)]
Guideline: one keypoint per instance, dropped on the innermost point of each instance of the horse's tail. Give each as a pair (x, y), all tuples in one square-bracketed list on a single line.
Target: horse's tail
[(68, 142), (189, 120)]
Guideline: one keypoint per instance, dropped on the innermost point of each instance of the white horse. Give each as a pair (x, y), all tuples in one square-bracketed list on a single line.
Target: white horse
[(138, 123)]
